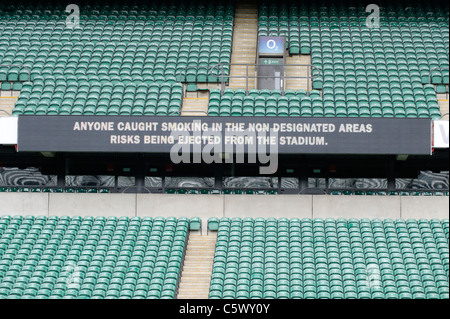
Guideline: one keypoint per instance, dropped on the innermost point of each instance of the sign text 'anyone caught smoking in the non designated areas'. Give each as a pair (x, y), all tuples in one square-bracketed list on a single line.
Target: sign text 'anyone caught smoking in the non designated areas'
[(245, 134)]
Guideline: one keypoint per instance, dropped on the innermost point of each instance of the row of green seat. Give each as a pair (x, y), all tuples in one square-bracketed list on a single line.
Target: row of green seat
[(409, 48), (77, 97), (331, 103), (303, 22), (83, 258), (330, 259), (160, 39)]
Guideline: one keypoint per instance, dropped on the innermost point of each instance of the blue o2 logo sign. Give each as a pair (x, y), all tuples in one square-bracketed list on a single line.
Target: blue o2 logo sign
[(273, 46)]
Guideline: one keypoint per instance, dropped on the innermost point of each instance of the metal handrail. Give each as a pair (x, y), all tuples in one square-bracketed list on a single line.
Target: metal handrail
[(136, 187), (179, 112), (198, 66), (222, 76), (320, 191), (434, 69), (20, 66)]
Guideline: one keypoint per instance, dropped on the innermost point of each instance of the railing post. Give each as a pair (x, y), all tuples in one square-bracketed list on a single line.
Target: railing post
[(307, 80), (246, 80), (19, 66), (223, 80), (221, 73), (7, 113)]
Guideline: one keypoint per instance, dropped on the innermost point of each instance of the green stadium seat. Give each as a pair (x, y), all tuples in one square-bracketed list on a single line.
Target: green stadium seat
[(213, 223), (350, 55), (303, 259), (195, 223), (112, 256)]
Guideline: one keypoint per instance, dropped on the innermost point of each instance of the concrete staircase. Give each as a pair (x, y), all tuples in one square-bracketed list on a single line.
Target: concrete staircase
[(443, 105), (197, 268), (245, 38), (7, 101), (193, 106), (301, 71)]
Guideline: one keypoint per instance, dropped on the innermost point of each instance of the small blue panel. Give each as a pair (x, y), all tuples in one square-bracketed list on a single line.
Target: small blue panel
[(273, 46)]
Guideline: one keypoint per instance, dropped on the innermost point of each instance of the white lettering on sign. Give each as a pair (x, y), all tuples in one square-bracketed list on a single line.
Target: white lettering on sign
[(440, 134), (8, 130)]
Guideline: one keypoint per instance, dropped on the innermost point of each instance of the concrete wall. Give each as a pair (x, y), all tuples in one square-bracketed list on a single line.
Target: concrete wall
[(202, 206), (24, 204), (206, 206), (424, 207), (268, 206), (356, 206), (92, 205)]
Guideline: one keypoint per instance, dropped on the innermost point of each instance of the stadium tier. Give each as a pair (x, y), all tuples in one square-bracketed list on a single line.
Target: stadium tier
[(62, 257), (225, 149), (149, 40), (322, 259), (394, 70), (77, 96), (344, 101), (31, 180), (151, 43)]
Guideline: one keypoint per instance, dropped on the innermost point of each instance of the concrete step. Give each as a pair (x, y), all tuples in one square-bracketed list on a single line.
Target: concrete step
[(7, 104), (195, 107), (193, 296), (199, 263), (9, 93), (244, 53), (196, 284), (206, 247), (301, 71), (244, 48), (202, 242), (198, 259), (8, 100), (444, 107), (199, 274), (200, 239), (194, 114), (6, 111), (203, 245), (196, 279), (246, 27), (202, 260), (193, 277), (191, 282), (194, 290), (200, 253), (197, 269)]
